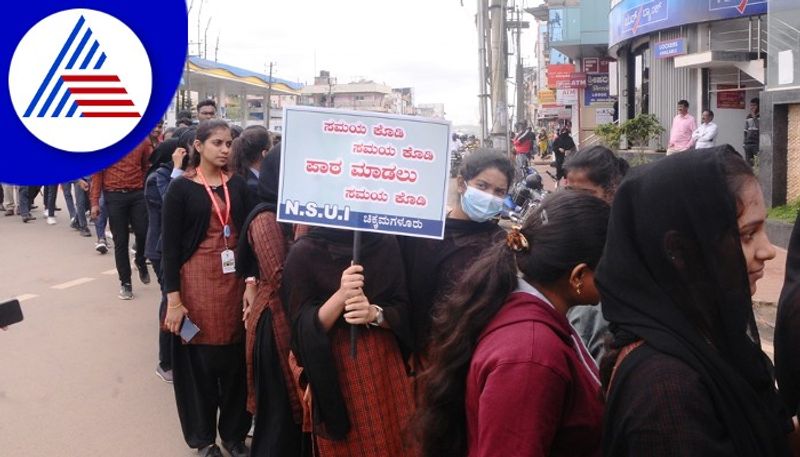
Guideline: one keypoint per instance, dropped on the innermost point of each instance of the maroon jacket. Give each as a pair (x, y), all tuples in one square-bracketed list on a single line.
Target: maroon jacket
[(532, 387)]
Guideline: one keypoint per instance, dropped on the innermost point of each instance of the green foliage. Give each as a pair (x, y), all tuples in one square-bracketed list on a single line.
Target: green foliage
[(609, 134), (785, 213), (642, 129)]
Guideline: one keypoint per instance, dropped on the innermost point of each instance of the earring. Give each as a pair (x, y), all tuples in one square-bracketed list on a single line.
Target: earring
[(578, 289)]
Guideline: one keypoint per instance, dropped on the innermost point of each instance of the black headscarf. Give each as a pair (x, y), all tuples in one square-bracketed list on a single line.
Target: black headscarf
[(268, 180), (646, 297), (162, 154), (787, 327)]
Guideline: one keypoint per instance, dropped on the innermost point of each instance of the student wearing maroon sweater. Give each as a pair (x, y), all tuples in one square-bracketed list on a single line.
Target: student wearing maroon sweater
[(508, 375)]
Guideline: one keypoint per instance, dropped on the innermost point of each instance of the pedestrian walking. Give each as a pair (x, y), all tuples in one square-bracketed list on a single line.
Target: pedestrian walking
[(508, 375), (563, 145), (434, 267), (676, 285), (201, 218), (122, 187), (362, 405), (683, 125), (272, 394), (523, 147)]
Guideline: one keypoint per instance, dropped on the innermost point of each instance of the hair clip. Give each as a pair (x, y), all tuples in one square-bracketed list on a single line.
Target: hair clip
[(545, 219), (516, 241)]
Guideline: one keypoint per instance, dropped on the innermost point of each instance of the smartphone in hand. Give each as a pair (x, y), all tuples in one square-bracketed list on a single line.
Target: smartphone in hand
[(10, 313), (188, 329)]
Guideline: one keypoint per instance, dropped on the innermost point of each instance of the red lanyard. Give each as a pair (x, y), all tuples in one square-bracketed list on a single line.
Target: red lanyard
[(226, 231)]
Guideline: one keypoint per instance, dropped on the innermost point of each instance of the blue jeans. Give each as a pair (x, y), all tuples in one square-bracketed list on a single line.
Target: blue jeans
[(102, 219), (24, 202), (76, 207)]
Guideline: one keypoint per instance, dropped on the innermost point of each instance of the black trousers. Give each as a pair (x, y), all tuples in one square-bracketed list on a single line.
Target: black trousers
[(750, 153), (127, 209), (275, 434), (208, 379), (164, 336), (559, 165)]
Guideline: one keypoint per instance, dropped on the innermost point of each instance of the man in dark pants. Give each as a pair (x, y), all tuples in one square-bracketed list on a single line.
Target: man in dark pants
[(751, 132), (122, 185)]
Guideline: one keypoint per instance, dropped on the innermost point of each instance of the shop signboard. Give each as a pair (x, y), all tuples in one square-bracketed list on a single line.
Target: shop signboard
[(632, 18), (591, 64), (670, 48), (597, 89), (559, 72), (730, 99), (364, 171), (566, 96), (547, 96)]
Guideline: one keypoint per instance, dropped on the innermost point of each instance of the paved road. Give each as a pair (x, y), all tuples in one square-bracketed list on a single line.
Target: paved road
[(77, 374)]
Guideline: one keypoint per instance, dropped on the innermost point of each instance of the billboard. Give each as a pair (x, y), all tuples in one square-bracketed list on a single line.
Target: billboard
[(632, 18)]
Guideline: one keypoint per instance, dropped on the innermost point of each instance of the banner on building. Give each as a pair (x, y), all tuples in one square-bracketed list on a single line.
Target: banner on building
[(597, 89), (632, 18), (567, 96), (557, 73), (670, 48), (730, 99), (604, 116), (364, 171), (546, 96)]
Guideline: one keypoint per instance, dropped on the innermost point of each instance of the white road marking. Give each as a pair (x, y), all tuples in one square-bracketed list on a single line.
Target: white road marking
[(110, 272), (24, 297), (68, 284)]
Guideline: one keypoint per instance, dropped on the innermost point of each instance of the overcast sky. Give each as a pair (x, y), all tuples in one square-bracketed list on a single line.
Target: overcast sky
[(430, 45)]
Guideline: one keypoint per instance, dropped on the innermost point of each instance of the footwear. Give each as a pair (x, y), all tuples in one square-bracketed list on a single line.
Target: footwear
[(85, 232), (28, 217), (74, 224), (126, 292), (51, 220), (210, 451), (165, 375), (101, 246), (9, 212), (236, 449), (252, 429), (144, 275)]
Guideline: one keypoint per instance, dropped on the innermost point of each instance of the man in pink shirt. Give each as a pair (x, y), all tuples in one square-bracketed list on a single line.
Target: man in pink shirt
[(683, 124)]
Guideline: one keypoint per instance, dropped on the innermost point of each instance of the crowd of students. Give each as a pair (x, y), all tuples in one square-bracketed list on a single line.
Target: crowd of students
[(487, 342)]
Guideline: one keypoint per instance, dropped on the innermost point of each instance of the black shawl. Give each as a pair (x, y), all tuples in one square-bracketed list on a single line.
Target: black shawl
[(645, 297), (434, 266), (268, 181), (311, 275), (787, 327)]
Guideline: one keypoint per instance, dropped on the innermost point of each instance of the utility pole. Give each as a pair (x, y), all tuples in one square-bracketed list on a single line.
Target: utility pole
[(483, 8), (216, 48), (268, 108), (205, 39), (519, 73), (499, 93), (199, 16)]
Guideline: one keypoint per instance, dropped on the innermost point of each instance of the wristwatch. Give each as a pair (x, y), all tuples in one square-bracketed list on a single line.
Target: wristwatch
[(378, 317)]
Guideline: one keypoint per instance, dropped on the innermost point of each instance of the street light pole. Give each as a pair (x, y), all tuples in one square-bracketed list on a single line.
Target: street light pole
[(482, 95), (268, 108), (499, 93)]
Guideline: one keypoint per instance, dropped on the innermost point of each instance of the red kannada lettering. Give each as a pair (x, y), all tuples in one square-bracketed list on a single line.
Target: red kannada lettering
[(374, 149), (418, 154), (355, 193), (389, 173), (403, 198), (344, 128), (388, 132), (322, 167)]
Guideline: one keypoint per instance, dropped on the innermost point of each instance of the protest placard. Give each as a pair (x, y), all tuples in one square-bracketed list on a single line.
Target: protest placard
[(364, 171)]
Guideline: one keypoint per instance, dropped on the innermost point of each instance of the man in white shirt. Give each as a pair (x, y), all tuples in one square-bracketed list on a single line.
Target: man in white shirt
[(705, 135)]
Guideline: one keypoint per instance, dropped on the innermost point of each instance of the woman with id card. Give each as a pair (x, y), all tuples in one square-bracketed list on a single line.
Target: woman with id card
[(202, 213)]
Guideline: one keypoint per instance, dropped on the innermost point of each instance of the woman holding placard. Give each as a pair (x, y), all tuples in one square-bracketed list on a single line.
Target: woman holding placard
[(434, 266), (359, 405), (203, 210)]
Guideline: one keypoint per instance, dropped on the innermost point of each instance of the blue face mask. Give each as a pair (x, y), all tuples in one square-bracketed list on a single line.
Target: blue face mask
[(480, 206)]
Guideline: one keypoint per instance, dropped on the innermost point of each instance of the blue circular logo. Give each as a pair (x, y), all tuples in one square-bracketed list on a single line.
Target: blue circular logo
[(87, 82)]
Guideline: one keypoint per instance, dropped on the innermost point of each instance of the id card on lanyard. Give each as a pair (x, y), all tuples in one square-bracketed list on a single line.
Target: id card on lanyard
[(227, 258)]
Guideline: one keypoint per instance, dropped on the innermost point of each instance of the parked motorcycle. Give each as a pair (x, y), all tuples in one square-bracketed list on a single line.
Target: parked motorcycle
[(526, 195)]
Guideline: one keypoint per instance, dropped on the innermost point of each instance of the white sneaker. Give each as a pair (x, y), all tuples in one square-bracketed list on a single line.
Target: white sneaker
[(51, 221)]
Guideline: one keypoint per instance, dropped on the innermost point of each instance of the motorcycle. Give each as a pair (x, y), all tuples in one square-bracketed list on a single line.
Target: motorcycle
[(525, 196)]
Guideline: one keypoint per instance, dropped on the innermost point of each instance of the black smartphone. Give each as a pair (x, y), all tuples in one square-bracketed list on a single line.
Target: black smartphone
[(10, 313)]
